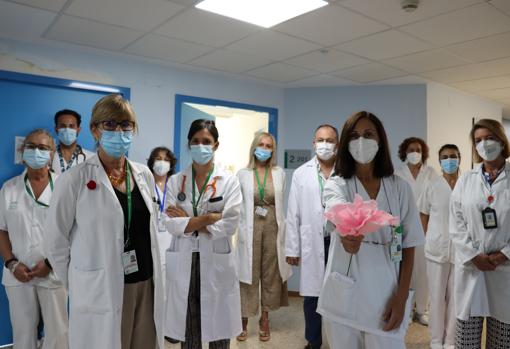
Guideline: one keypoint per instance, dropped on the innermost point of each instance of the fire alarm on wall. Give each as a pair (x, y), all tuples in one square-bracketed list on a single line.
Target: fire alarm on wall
[(409, 5)]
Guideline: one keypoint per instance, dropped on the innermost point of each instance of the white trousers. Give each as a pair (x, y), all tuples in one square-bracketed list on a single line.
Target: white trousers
[(345, 337), (26, 304), (442, 306), (419, 280)]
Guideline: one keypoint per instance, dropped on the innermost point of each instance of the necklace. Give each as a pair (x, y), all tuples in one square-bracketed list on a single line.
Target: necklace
[(117, 181)]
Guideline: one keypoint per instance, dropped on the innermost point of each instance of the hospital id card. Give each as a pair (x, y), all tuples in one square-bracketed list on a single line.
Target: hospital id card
[(396, 244), (261, 211), (490, 219), (130, 262)]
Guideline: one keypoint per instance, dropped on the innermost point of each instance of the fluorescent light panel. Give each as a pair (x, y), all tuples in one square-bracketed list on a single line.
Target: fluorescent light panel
[(264, 13)]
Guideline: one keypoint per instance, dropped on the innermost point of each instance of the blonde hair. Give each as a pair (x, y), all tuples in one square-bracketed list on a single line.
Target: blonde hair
[(258, 136), (499, 132), (112, 107), (36, 132)]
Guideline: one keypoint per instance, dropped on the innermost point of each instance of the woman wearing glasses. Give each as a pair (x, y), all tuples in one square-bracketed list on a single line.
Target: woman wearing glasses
[(203, 302), (102, 242), (32, 287)]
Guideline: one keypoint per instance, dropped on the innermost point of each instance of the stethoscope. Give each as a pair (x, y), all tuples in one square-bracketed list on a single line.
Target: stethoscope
[(181, 196), (76, 156)]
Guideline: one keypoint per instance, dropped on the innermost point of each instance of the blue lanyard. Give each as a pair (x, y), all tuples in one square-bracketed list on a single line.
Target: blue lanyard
[(161, 202)]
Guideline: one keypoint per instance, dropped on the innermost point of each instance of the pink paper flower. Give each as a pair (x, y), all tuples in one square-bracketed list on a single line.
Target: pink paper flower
[(359, 217)]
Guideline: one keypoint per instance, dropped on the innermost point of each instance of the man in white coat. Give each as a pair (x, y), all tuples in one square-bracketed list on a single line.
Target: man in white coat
[(307, 242)]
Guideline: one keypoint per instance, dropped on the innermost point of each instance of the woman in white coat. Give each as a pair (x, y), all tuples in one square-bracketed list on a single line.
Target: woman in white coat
[(414, 152), (102, 240), (32, 287), (261, 241), (480, 231), (434, 206), (364, 299), (203, 302)]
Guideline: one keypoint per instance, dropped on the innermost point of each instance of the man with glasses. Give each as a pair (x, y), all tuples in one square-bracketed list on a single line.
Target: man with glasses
[(68, 152)]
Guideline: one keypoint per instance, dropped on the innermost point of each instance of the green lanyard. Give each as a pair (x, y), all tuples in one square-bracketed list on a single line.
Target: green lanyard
[(201, 192), (129, 204), (321, 181), (32, 195), (262, 190)]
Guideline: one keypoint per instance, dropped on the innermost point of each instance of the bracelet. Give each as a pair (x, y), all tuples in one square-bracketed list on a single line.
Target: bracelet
[(47, 262), (9, 261), (13, 266)]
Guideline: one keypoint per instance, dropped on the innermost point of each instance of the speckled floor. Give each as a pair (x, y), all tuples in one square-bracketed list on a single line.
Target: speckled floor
[(287, 329)]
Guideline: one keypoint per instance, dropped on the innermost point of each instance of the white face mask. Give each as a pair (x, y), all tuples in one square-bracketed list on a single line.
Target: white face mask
[(489, 149), (414, 158), (325, 150), (161, 167), (363, 150)]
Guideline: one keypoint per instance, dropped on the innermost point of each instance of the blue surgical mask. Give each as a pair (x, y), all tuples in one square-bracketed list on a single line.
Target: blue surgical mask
[(67, 135), (201, 154), (35, 158), (450, 165), (116, 143), (262, 154)]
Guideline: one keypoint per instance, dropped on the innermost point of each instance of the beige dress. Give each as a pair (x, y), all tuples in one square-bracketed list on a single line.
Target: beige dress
[(265, 271)]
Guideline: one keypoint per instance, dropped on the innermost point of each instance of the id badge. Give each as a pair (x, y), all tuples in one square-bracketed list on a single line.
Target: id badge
[(396, 244), (490, 219), (161, 223), (130, 262), (261, 211)]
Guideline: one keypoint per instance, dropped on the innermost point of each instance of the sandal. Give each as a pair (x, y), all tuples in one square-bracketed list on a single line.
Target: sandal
[(244, 334), (264, 334)]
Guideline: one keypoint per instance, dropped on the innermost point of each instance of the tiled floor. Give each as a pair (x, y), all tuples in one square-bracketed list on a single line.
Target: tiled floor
[(287, 329)]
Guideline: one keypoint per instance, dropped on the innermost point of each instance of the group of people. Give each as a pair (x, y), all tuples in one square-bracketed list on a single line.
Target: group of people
[(110, 253)]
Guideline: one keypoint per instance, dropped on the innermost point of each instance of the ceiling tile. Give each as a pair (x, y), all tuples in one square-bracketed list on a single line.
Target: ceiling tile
[(488, 48), (326, 61), (503, 5), (135, 14), (165, 48), (84, 32), (206, 28), (466, 24), (390, 12), (12, 26), (369, 73), (426, 61), (484, 84), (321, 81), (330, 25), (187, 2), (230, 61), (500, 93), (273, 45), (471, 71), (280, 72), (52, 5), (391, 43)]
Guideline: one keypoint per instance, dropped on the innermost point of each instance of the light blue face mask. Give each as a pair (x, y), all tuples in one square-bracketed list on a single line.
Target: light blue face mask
[(450, 165), (116, 143), (201, 154), (262, 154), (67, 135), (35, 158)]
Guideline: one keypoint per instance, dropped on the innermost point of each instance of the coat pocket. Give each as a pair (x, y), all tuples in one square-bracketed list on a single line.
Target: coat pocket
[(225, 275), (89, 292), (338, 295), (172, 260)]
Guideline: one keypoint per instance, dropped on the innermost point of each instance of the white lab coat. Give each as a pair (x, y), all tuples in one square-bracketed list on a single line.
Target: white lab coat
[(305, 228), (164, 237), (57, 168), (219, 285), (244, 249), (479, 293), (418, 184), (361, 303), (85, 245), (435, 202)]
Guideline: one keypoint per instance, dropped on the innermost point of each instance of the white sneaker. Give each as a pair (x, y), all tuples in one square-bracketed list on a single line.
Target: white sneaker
[(422, 319)]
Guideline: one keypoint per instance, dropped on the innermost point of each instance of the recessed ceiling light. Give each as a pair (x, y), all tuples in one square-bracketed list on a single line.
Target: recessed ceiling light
[(264, 13)]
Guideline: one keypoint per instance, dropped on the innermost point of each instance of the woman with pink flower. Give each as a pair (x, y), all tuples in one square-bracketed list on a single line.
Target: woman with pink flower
[(365, 296)]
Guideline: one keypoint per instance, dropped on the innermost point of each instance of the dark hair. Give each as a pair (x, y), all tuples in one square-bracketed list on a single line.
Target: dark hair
[(402, 148), (67, 112), (203, 124), (168, 153), (346, 165), (327, 125), (448, 146)]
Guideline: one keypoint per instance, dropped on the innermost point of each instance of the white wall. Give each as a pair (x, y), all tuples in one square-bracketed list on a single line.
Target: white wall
[(449, 120)]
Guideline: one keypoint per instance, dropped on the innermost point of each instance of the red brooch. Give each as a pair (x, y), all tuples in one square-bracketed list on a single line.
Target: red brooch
[(91, 185), (490, 199)]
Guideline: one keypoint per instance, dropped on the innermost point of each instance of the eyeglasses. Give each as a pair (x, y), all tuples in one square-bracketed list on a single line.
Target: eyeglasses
[(112, 125), (37, 146)]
